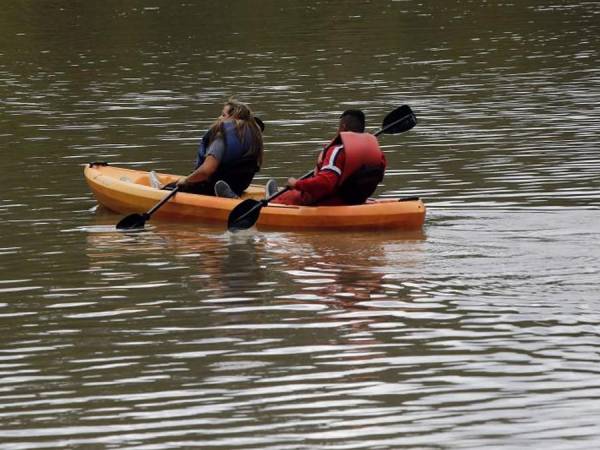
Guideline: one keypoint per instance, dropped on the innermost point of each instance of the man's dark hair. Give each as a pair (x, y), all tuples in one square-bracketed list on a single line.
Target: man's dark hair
[(353, 120)]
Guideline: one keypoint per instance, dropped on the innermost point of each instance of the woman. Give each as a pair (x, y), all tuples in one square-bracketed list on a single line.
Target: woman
[(231, 150)]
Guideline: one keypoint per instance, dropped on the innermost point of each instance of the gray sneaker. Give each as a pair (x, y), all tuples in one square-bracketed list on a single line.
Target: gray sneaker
[(271, 188), (222, 189)]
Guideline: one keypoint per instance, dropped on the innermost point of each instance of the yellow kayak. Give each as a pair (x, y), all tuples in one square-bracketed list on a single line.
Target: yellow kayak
[(130, 191)]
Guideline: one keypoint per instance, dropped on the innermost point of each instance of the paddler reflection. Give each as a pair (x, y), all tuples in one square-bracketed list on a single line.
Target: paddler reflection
[(341, 271), (344, 270)]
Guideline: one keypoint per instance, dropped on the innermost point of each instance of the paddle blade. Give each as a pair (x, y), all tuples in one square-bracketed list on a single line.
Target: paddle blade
[(244, 215), (399, 120), (132, 221)]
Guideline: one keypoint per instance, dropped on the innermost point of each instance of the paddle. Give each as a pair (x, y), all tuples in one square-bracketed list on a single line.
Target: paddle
[(135, 220), (245, 214)]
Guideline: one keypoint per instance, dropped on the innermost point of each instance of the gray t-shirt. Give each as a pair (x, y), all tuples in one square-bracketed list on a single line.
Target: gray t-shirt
[(217, 149)]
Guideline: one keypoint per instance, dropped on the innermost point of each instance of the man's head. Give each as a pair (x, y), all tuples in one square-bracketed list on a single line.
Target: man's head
[(352, 120)]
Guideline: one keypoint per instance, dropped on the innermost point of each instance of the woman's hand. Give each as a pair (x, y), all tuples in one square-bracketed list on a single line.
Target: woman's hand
[(291, 182)]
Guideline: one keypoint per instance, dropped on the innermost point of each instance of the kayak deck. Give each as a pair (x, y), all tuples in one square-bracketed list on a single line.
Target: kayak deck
[(127, 191)]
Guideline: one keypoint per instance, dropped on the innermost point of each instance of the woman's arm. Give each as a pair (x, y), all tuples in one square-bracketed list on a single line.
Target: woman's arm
[(202, 173), (214, 156)]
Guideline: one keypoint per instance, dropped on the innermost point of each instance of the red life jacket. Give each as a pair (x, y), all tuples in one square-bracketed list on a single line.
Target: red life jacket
[(364, 167)]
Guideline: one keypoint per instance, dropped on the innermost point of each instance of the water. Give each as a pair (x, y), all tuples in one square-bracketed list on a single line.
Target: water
[(480, 331)]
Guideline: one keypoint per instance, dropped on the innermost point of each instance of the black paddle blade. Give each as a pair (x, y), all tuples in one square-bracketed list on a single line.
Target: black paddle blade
[(132, 221), (244, 215), (399, 120), (260, 123)]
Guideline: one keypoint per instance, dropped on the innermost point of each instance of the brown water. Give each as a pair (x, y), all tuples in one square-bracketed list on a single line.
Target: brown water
[(481, 331)]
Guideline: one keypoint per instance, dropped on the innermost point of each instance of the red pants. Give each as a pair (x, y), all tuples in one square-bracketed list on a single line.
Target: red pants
[(300, 198)]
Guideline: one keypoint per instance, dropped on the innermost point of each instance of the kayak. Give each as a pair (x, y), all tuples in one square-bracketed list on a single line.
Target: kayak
[(128, 191)]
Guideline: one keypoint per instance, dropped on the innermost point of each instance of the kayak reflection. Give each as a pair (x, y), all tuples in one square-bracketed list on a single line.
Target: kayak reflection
[(338, 269)]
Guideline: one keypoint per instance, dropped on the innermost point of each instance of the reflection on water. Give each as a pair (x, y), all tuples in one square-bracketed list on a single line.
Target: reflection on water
[(480, 331), (228, 266)]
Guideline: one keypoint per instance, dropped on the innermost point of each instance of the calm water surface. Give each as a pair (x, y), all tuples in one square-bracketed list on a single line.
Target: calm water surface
[(480, 331)]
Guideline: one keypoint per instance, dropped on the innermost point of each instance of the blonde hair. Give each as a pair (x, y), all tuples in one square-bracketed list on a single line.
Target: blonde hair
[(245, 125)]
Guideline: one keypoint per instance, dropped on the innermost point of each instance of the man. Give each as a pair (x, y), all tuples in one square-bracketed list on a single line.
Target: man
[(348, 169)]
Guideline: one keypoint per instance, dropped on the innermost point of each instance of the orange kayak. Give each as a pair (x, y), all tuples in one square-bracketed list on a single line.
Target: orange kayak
[(130, 191)]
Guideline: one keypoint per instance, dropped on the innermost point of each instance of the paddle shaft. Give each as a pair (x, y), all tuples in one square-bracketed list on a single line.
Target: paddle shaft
[(163, 201)]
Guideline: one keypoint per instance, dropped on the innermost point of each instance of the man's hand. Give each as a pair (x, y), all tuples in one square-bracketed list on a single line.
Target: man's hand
[(291, 182)]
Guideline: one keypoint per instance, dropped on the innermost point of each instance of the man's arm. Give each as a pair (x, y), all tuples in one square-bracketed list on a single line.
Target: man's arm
[(325, 181)]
